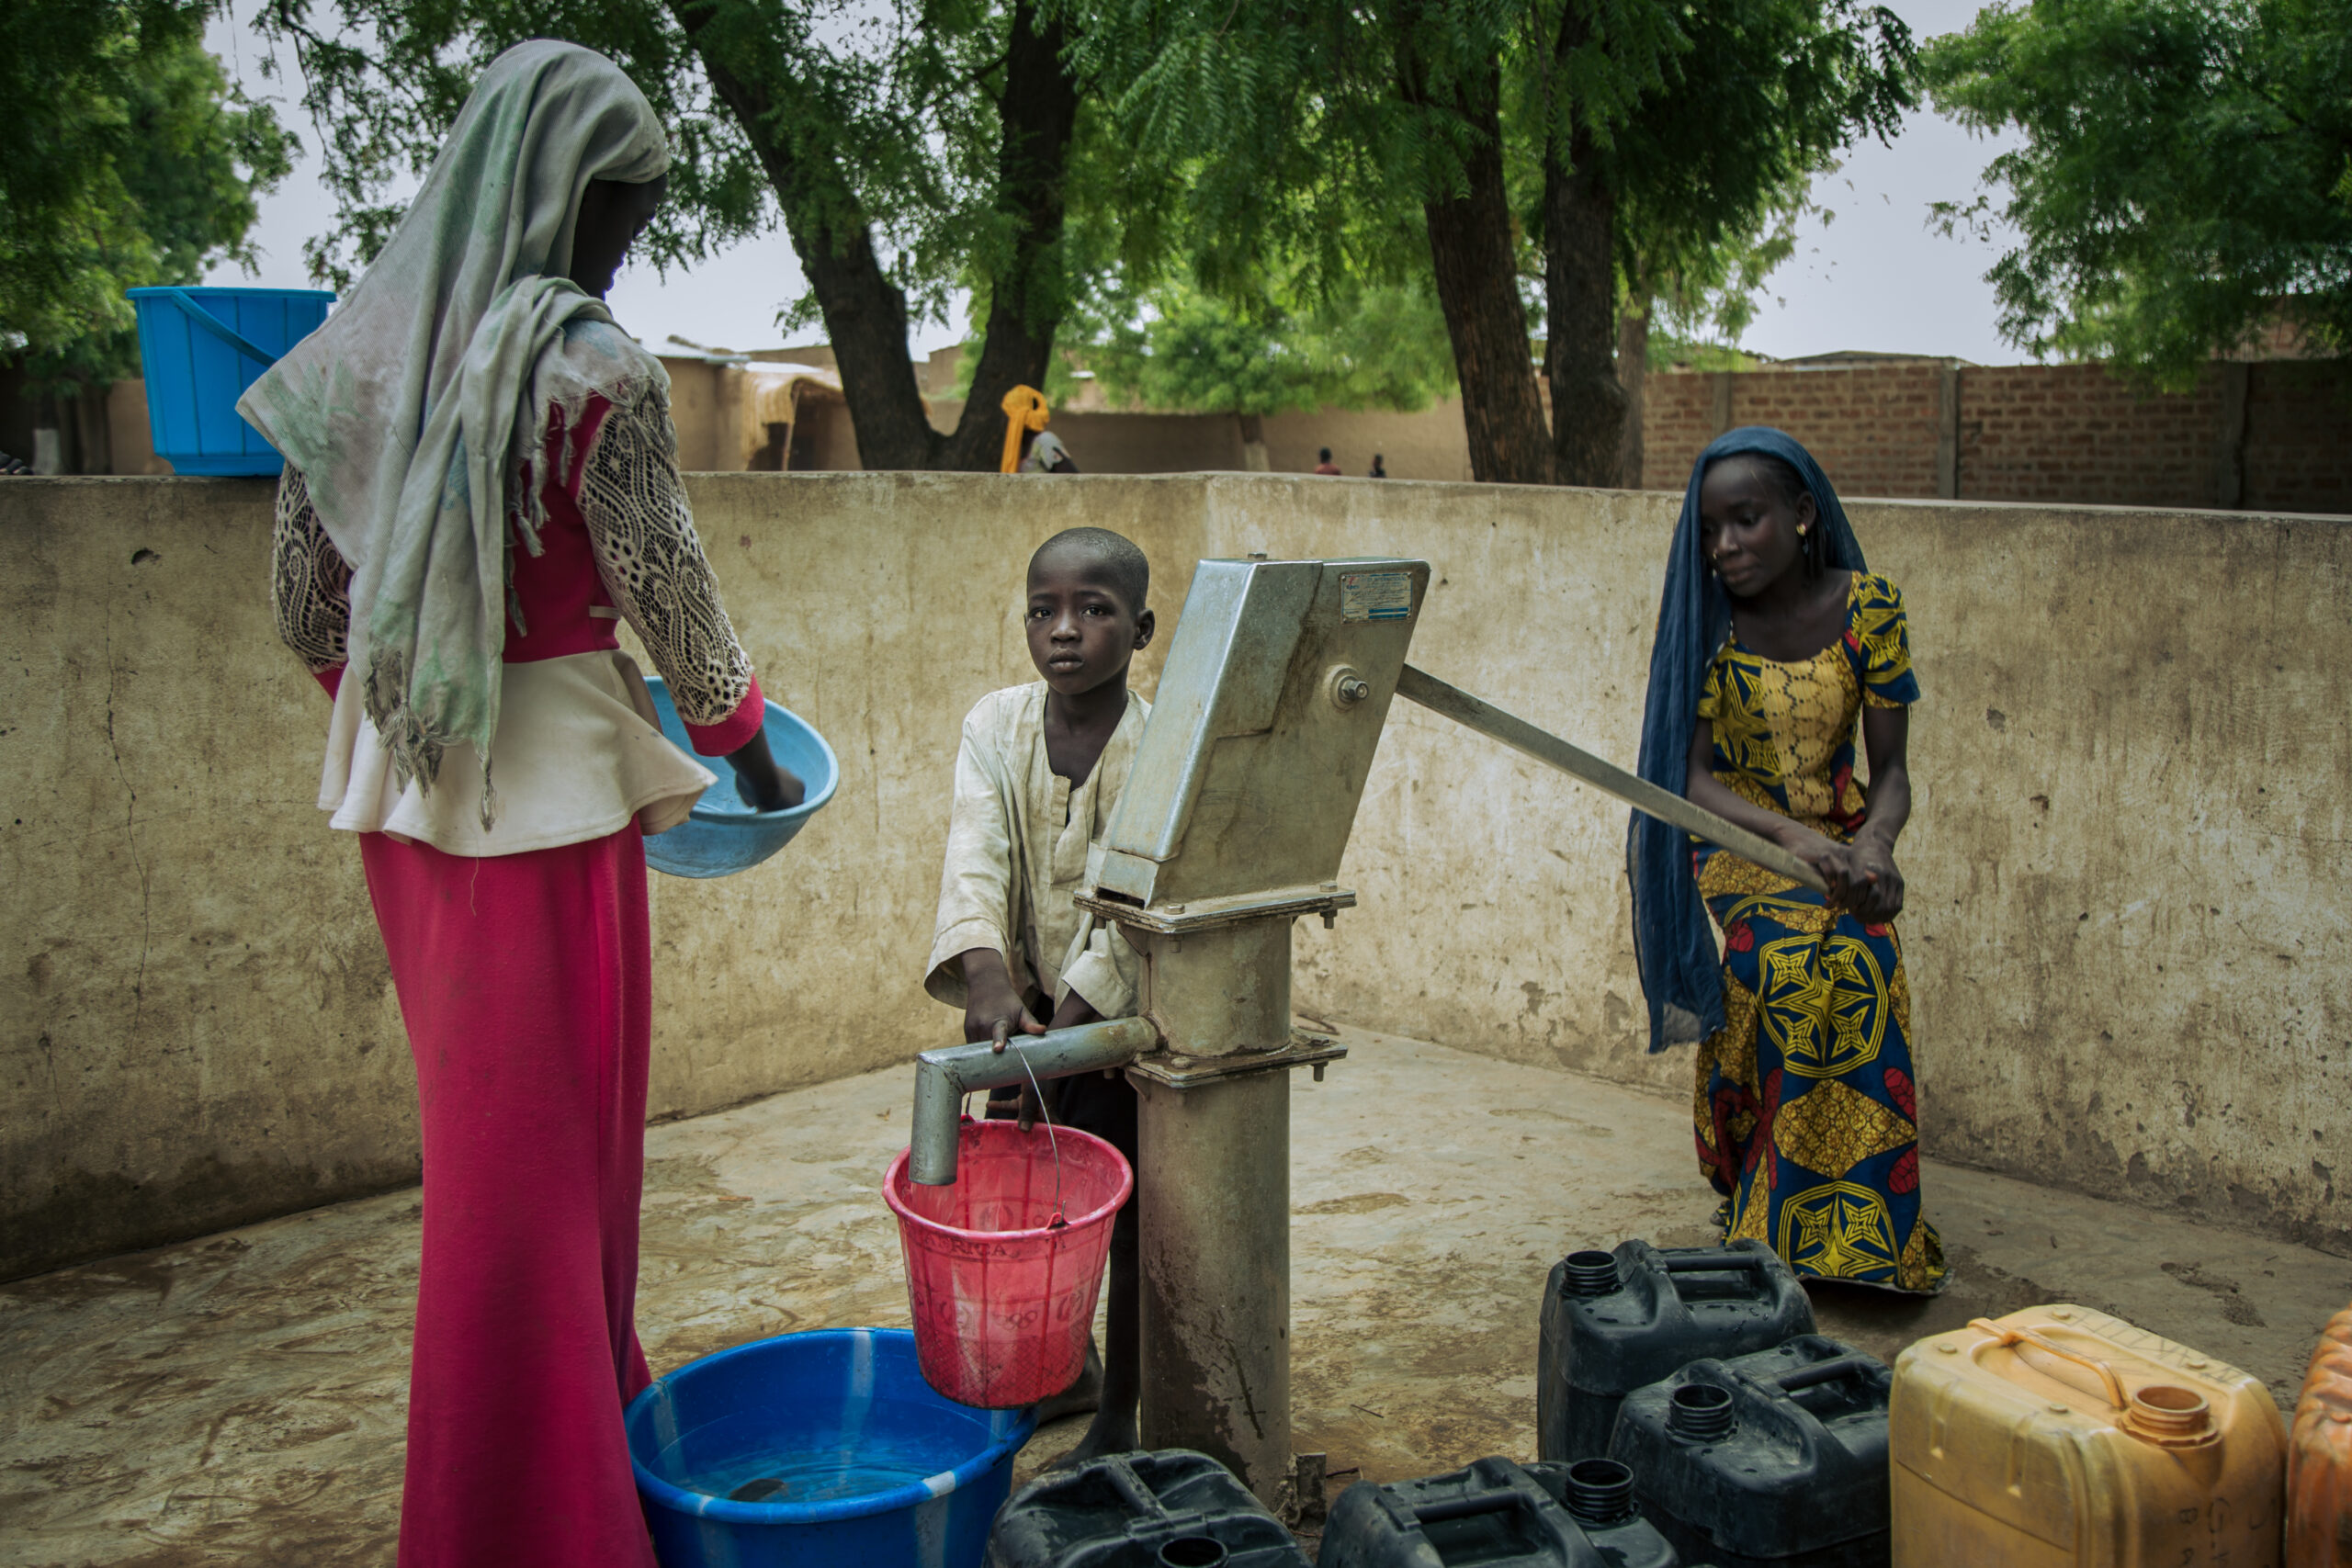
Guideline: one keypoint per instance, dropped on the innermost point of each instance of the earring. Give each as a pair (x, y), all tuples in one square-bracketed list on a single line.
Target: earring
[(1802, 529)]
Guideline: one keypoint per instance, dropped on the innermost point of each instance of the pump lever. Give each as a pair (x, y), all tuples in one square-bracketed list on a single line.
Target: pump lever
[(943, 1076), (1476, 713)]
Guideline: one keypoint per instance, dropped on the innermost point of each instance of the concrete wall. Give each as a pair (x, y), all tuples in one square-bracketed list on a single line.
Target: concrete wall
[(2128, 939)]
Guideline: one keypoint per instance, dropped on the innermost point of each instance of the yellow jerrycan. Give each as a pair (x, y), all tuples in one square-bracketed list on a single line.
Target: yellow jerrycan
[(2059, 1436), (2319, 1456)]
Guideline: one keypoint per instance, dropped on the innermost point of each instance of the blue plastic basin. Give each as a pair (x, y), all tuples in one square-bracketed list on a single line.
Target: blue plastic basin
[(880, 1472), (724, 836), (199, 349)]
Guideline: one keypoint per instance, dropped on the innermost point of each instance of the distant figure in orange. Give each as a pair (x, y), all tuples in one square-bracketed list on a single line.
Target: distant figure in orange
[(1323, 464)]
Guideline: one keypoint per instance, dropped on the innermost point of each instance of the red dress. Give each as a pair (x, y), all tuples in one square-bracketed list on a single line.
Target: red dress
[(525, 983)]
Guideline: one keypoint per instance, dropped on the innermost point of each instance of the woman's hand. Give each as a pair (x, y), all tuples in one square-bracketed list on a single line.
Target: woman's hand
[(760, 781), (1853, 879), (1882, 899)]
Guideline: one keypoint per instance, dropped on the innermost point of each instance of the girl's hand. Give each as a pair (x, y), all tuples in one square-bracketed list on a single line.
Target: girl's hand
[(1883, 898), (1850, 880)]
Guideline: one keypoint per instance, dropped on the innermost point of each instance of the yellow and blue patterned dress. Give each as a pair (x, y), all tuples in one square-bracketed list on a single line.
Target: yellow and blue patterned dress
[(1807, 1104)]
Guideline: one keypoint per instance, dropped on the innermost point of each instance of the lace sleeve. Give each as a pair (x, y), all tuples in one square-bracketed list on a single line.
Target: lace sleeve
[(653, 565), (309, 581)]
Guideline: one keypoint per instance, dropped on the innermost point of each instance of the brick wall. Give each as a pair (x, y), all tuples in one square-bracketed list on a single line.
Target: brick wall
[(2297, 439), (2073, 433), (2272, 436)]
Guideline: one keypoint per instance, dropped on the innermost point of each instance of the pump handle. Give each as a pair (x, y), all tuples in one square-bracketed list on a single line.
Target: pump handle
[(1476, 713)]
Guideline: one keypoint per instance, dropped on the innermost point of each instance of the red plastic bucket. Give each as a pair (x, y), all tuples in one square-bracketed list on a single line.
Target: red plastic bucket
[(1003, 1298)]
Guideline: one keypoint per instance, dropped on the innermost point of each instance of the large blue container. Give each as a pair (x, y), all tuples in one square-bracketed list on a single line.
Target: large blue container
[(201, 348), (877, 1470), (724, 836)]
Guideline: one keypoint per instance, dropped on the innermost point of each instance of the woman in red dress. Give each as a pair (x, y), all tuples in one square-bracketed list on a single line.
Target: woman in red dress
[(481, 482)]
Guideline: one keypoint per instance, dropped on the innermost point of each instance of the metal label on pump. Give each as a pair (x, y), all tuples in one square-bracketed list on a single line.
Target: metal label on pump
[(1375, 595)]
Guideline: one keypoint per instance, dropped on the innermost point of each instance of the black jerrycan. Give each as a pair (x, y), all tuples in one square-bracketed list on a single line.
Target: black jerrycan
[(1776, 1460), (1171, 1508), (1495, 1514), (1616, 1321)]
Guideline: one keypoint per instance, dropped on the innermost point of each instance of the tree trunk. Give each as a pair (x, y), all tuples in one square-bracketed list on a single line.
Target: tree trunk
[(1039, 111), (1580, 296), (1633, 374), (1477, 286), (1254, 443), (865, 312)]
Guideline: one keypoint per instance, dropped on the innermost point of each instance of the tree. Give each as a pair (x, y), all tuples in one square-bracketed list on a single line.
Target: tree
[(1185, 350), (127, 160), (1181, 348), (906, 152), (2187, 172), (1537, 131), (1700, 290)]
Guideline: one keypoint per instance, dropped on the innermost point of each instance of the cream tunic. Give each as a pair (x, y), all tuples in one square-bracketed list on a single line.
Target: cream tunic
[(1017, 845)]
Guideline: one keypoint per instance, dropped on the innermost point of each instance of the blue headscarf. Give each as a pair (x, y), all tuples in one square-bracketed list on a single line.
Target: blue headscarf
[(1681, 971)]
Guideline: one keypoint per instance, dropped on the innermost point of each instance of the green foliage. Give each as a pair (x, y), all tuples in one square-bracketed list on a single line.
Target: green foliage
[(1383, 347), (1671, 351), (900, 100), (1713, 288), (1181, 350), (2187, 172), (1309, 142), (1712, 172), (127, 160)]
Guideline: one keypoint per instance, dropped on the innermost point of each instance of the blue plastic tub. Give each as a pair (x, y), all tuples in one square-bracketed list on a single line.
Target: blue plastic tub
[(201, 348), (724, 836), (878, 1471)]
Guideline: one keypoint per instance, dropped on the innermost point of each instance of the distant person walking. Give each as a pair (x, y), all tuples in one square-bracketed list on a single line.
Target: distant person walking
[(1029, 447), (1323, 464), (1044, 454), (1378, 470)]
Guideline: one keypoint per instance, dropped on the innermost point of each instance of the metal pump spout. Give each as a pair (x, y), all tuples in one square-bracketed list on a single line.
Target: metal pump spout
[(943, 1076)]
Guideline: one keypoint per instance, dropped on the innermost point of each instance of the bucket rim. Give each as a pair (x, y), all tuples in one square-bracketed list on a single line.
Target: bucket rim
[(156, 291), (808, 807), (726, 1510), (896, 1177)]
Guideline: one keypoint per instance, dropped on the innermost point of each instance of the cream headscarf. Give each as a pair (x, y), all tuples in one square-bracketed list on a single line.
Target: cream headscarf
[(417, 412)]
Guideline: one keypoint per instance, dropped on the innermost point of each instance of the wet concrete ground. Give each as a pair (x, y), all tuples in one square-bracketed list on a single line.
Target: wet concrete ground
[(238, 1399)]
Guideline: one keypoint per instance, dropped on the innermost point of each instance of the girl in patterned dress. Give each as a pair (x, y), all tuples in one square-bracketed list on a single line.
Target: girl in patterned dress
[(1776, 645), (481, 483)]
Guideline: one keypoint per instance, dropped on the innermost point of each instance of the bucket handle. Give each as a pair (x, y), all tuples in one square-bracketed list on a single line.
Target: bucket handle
[(2022, 1337), (1053, 1142), (219, 328)]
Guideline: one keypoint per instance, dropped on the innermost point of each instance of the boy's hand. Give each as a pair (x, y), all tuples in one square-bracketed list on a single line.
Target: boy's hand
[(992, 1009)]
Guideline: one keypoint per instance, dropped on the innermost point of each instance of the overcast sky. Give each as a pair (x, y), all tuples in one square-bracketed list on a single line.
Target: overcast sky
[(1875, 277)]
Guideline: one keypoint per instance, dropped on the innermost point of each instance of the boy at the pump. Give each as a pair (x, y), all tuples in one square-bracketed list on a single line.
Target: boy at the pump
[(1037, 779)]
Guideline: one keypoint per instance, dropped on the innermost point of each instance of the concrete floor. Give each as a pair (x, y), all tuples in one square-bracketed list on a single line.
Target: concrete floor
[(238, 1399)]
